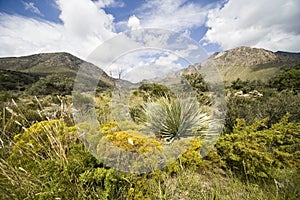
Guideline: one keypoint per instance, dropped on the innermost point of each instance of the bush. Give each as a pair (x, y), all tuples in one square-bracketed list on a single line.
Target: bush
[(16, 116), (256, 151), (128, 150), (247, 86), (154, 91), (197, 82), (55, 84), (273, 105), (288, 80), (43, 140), (48, 161)]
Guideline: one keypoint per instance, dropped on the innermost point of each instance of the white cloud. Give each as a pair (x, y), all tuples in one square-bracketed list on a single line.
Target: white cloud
[(84, 19), (175, 15), (109, 3), (133, 22), (146, 53), (84, 27), (266, 24), (31, 7), (166, 59), (187, 51), (144, 64)]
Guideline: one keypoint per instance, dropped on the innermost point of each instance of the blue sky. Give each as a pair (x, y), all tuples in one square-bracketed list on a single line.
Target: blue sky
[(79, 26)]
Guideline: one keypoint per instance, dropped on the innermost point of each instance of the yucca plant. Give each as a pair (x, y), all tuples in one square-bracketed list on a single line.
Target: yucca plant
[(173, 118)]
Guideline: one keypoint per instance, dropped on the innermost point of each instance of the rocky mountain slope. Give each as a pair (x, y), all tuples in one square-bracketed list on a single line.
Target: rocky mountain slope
[(248, 63), (38, 67), (243, 62)]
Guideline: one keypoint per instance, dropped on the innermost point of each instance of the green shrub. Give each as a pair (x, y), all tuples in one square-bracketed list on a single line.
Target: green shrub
[(288, 80), (105, 183), (273, 105), (40, 164), (56, 84), (256, 151), (197, 82), (154, 90), (247, 86)]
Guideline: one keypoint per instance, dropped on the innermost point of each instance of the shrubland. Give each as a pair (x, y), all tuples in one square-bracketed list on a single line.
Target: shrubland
[(256, 157)]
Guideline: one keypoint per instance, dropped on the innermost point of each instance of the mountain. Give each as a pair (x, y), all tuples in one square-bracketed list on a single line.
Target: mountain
[(243, 62), (50, 72), (248, 63), (43, 63), (45, 68)]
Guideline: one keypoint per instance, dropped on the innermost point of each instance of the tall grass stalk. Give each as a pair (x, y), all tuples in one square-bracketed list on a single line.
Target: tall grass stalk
[(44, 141)]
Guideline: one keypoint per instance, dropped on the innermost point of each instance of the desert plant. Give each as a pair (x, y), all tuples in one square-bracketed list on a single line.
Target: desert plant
[(172, 118)]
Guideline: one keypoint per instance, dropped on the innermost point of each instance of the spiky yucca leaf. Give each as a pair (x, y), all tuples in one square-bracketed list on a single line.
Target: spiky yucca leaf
[(172, 118)]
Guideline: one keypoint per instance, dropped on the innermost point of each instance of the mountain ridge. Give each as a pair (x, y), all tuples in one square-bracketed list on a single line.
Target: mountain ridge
[(63, 65), (29, 62), (247, 63), (243, 62)]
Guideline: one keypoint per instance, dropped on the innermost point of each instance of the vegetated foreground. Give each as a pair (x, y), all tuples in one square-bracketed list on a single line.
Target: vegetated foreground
[(256, 157)]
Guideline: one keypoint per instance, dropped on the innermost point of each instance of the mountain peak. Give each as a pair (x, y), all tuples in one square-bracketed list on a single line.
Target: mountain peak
[(42, 63), (244, 56), (248, 63), (34, 72)]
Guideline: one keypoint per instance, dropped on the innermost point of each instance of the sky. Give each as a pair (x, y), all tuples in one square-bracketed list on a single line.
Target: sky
[(80, 26)]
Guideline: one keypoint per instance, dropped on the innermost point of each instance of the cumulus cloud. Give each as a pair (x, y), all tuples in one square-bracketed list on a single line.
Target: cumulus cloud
[(109, 3), (84, 27), (266, 24), (165, 60), (32, 8), (144, 64), (133, 22), (82, 18), (176, 15), (143, 53)]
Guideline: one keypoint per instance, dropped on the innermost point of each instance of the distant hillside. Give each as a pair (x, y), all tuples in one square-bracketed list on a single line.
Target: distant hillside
[(50, 72), (43, 64), (14, 80), (248, 63), (39, 69)]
